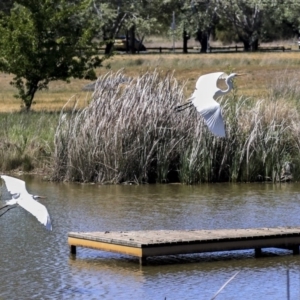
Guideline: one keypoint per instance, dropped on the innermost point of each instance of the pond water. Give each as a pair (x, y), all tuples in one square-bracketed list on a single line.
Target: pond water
[(35, 263)]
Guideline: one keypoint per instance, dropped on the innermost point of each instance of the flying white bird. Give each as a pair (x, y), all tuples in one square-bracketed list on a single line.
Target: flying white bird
[(17, 189), (204, 99)]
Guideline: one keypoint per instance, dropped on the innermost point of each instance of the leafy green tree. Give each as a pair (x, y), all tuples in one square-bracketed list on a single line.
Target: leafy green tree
[(254, 21), (112, 16), (142, 20), (203, 19), (245, 18), (287, 16), (137, 17), (248, 21), (46, 40), (117, 15)]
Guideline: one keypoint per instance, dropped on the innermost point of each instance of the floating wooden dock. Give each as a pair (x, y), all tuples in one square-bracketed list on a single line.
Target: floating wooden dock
[(143, 244)]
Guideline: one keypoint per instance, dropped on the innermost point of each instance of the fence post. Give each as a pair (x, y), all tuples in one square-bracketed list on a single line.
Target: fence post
[(159, 49), (236, 48)]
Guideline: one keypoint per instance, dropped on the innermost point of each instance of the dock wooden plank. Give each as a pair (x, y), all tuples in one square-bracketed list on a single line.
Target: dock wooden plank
[(104, 246), (164, 242), (149, 237)]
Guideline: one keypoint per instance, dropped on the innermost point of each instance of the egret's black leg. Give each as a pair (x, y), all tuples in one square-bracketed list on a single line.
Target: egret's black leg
[(9, 208), (183, 106), (4, 206)]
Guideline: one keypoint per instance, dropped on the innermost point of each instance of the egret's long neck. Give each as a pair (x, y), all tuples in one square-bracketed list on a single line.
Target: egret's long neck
[(229, 86)]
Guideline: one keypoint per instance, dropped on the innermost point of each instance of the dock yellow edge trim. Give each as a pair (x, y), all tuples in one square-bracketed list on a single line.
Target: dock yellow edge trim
[(105, 246)]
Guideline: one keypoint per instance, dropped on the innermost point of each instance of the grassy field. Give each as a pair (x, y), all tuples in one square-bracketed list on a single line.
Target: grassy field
[(263, 71)]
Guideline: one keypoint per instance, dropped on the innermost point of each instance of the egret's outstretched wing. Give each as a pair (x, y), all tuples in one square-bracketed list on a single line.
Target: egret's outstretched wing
[(26, 200), (14, 185), (207, 84), (36, 209), (211, 112), (203, 100)]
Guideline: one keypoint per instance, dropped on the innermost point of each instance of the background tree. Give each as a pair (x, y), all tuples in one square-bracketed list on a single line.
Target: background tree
[(287, 16), (255, 21), (139, 22), (198, 19), (135, 17), (45, 41), (111, 16), (245, 17), (201, 21), (243, 21)]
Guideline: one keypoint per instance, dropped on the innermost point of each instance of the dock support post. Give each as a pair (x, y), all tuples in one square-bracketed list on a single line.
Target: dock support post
[(73, 249), (257, 252), (143, 260), (296, 250)]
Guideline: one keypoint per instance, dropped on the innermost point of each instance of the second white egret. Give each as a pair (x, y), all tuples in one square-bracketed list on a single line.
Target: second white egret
[(20, 196)]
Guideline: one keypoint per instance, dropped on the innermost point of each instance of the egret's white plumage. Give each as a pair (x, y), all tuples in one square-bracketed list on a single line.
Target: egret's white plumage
[(17, 189), (204, 99)]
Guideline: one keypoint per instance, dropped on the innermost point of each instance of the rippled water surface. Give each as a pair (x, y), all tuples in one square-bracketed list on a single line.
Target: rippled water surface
[(35, 264)]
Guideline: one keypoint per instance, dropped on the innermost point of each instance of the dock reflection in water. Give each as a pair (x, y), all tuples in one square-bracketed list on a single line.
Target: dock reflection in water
[(35, 264)]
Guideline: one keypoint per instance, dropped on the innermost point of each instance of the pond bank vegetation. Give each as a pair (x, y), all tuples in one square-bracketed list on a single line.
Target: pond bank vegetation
[(129, 132), (27, 141)]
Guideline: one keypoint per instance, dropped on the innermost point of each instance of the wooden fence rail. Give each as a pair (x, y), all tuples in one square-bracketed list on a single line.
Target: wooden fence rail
[(232, 48), (211, 49)]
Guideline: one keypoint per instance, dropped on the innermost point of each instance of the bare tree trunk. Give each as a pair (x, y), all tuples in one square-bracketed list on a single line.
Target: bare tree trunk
[(254, 45), (109, 48), (246, 45), (132, 40), (28, 97), (202, 37), (186, 37), (127, 41)]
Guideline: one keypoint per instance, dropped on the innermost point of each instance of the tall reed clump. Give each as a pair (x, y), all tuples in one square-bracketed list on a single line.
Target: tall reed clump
[(26, 140), (127, 133), (262, 141), (131, 133)]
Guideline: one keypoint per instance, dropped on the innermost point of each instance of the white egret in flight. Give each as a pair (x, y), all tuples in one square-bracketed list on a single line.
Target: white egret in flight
[(17, 189), (204, 99)]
